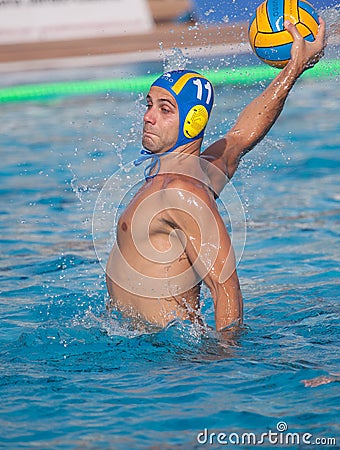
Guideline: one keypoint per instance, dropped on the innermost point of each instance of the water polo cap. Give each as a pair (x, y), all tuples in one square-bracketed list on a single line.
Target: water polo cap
[(194, 96)]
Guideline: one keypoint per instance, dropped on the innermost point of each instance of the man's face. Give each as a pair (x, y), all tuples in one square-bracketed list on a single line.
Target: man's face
[(161, 121)]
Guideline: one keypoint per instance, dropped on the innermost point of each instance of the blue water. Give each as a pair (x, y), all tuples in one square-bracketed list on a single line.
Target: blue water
[(74, 377)]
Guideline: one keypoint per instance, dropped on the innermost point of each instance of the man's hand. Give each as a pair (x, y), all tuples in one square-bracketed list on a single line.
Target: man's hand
[(304, 54)]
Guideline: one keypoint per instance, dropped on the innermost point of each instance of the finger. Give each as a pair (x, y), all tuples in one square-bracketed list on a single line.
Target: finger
[(322, 23), (322, 31), (291, 28)]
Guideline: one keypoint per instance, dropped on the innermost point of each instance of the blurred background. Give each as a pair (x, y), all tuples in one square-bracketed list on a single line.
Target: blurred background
[(41, 34)]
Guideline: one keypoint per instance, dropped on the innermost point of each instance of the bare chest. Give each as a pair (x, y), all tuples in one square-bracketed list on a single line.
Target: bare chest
[(142, 224)]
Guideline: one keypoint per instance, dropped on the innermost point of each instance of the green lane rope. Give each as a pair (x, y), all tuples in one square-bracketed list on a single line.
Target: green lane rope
[(241, 76)]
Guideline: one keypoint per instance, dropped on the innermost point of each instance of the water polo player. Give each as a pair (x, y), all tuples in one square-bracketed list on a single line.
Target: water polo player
[(171, 237)]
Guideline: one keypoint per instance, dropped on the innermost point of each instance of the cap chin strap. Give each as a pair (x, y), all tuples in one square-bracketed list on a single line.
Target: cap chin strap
[(154, 164)]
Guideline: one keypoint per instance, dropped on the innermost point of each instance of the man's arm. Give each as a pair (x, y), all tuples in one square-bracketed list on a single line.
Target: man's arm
[(194, 215), (259, 116)]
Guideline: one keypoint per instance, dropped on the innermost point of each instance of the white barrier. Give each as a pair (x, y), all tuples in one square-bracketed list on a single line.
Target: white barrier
[(53, 20)]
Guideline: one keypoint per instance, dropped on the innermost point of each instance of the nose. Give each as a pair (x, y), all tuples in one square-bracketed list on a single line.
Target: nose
[(150, 116)]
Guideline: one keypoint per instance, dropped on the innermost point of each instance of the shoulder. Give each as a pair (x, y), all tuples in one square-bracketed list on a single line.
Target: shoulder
[(188, 204), (184, 189), (222, 158)]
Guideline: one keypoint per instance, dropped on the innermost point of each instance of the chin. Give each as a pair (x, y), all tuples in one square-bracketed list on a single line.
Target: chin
[(148, 147), (147, 144)]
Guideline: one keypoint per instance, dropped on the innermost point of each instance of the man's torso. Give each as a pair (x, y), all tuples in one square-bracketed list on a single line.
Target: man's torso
[(149, 273)]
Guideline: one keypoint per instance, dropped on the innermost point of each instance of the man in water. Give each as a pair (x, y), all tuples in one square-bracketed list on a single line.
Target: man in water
[(171, 236)]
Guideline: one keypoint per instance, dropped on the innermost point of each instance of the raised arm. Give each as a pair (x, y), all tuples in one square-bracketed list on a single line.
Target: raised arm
[(258, 117)]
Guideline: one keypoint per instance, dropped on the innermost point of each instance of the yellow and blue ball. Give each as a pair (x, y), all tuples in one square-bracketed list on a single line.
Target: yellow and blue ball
[(267, 35)]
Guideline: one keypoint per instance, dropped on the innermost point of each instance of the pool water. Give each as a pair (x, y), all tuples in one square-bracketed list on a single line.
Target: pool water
[(74, 377)]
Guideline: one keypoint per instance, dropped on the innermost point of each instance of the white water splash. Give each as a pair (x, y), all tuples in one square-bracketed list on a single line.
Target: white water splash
[(175, 60)]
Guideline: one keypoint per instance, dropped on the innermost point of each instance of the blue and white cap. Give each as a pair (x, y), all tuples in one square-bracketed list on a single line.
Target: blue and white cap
[(194, 95)]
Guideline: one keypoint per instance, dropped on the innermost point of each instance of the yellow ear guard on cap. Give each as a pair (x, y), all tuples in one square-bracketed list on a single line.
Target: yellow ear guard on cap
[(195, 121)]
